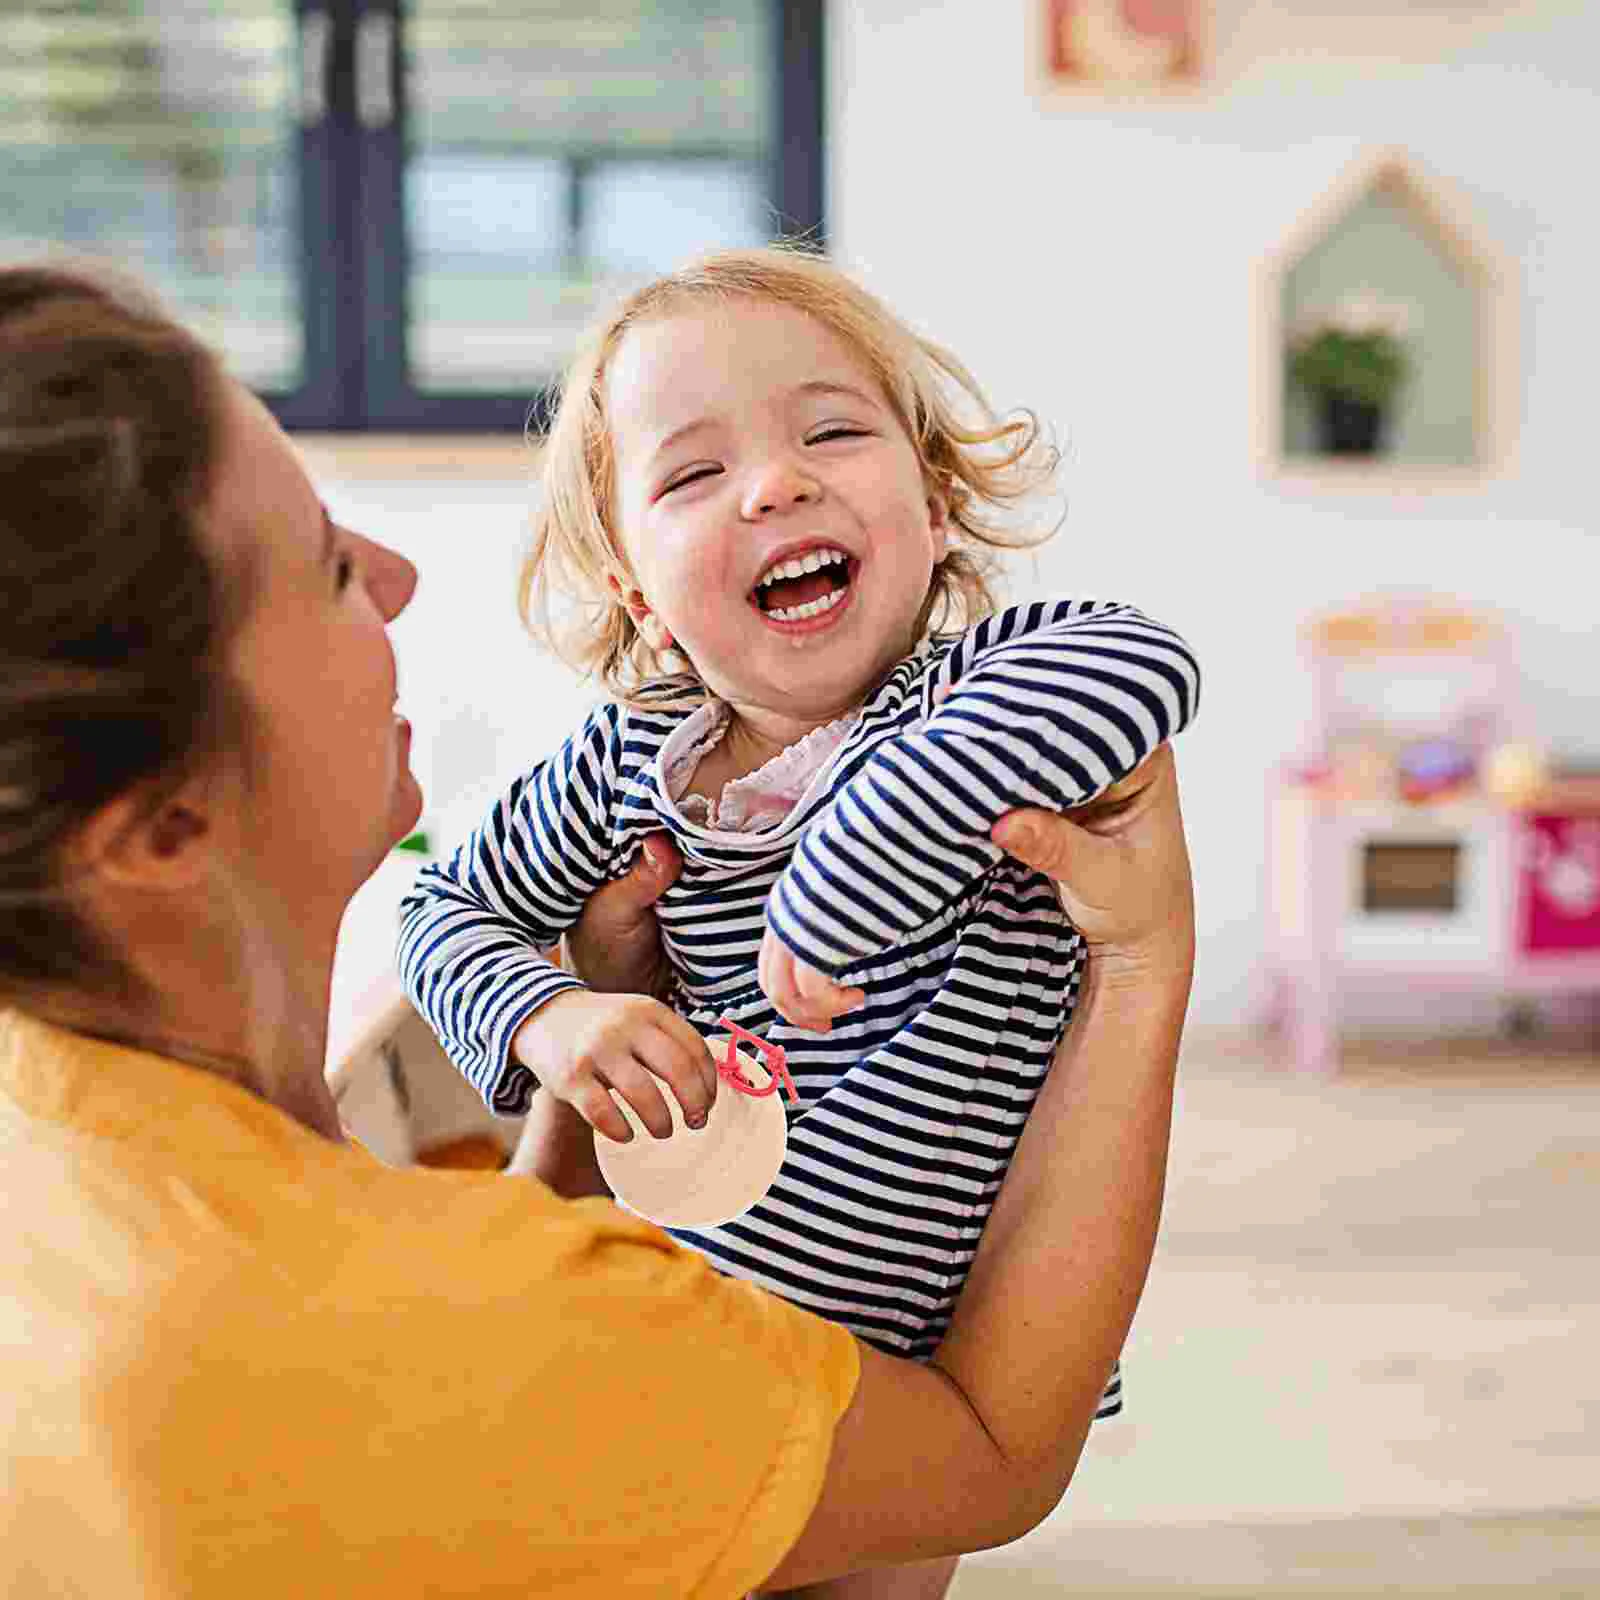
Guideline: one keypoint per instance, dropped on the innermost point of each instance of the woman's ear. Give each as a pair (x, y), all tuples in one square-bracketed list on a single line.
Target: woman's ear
[(133, 845), (650, 626)]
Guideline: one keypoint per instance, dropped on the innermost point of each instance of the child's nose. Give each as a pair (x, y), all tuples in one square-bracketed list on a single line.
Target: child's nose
[(777, 486)]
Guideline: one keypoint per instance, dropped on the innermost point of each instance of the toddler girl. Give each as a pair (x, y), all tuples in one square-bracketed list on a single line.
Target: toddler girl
[(771, 499)]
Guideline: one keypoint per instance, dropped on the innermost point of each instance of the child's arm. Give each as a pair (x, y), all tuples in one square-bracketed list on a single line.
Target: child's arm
[(471, 936), (1043, 705)]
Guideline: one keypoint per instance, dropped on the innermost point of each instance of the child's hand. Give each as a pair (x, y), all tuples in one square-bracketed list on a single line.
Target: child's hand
[(800, 994), (581, 1044)]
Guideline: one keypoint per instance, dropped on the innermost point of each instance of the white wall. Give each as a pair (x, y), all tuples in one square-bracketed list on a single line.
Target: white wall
[(1093, 261)]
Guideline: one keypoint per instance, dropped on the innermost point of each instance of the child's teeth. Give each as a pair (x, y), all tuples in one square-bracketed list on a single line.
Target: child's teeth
[(810, 609), (801, 565)]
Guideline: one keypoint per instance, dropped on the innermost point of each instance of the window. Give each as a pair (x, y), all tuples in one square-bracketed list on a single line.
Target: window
[(397, 216)]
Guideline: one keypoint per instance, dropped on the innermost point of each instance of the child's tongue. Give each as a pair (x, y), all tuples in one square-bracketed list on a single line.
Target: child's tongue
[(788, 592)]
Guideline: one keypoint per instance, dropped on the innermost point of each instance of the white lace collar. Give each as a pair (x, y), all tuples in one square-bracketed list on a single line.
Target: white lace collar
[(759, 800)]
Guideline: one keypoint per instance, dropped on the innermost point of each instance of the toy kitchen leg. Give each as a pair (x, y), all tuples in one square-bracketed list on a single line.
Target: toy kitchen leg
[(1304, 885), (1314, 1027)]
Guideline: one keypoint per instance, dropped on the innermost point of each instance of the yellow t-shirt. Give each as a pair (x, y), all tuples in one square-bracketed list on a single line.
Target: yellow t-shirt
[(241, 1360)]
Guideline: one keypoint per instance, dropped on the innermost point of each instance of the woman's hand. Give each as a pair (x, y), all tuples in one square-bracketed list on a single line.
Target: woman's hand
[(615, 946), (1121, 867)]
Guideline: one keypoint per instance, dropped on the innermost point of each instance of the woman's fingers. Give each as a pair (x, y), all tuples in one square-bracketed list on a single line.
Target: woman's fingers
[(616, 945), (1120, 864)]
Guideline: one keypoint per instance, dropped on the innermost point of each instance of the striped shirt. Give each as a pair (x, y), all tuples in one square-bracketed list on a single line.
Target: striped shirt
[(883, 876)]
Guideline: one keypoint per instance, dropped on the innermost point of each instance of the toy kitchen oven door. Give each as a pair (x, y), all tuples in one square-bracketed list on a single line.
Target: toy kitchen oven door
[(1470, 895), (1502, 892), (1426, 892)]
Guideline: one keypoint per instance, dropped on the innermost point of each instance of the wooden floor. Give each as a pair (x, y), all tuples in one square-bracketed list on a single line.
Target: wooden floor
[(1367, 1359)]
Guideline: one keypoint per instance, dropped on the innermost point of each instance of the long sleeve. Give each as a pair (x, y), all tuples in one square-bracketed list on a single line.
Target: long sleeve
[(1042, 705), (472, 928)]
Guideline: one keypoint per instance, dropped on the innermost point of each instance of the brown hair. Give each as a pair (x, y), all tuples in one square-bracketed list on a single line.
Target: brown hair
[(978, 463), (114, 614)]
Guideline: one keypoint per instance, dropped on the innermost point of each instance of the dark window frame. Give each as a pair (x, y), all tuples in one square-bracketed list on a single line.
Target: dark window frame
[(353, 278)]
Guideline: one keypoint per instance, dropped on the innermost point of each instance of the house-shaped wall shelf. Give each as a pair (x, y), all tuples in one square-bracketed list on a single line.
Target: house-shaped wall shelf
[(1387, 237)]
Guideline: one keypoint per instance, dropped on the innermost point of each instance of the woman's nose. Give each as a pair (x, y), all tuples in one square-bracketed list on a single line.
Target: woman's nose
[(391, 579), (777, 485)]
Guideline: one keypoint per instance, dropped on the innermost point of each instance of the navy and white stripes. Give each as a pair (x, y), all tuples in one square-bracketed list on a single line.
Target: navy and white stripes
[(883, 874), (1037, 708)]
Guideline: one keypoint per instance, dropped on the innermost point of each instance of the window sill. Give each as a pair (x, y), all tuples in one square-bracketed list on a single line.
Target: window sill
[(385, 456)]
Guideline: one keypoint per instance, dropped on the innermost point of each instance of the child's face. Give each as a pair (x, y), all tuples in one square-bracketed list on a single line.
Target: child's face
[(747, 437)]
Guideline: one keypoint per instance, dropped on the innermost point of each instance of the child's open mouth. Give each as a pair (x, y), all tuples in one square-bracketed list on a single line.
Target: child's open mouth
[(804, 587)]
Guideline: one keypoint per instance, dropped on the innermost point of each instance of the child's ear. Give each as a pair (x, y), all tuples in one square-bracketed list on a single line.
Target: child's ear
[(939, 524), (645, 620)]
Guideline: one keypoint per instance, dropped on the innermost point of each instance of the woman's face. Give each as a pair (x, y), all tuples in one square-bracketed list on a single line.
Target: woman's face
[(328, 786)]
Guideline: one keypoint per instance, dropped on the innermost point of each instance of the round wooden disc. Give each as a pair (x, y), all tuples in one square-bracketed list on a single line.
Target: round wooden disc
[(699, 1177)]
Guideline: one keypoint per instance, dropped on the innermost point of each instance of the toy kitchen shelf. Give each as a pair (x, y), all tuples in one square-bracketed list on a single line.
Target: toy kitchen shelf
[(1423, 844)]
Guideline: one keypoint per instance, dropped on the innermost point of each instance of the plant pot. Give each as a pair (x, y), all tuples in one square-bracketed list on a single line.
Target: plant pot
[(1349, 427)]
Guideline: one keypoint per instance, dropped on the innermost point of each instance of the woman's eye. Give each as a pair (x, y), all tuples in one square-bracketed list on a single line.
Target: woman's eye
[(692, 476), (343, 571)]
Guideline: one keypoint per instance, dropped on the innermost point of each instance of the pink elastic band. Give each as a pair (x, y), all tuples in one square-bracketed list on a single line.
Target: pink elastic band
[(772, 1056)]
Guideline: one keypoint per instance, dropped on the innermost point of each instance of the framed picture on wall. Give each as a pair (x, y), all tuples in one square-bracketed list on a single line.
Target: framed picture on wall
[(1117, 45)]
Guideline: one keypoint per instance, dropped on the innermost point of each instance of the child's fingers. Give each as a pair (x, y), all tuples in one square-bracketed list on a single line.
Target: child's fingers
[(781, 990), (682, 1069), (822, 995), (801, 994), (695, 1053), (594, 1104), (634, 1082), (767, 963)]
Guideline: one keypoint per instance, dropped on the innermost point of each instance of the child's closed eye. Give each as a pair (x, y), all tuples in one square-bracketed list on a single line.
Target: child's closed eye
[(837, 430), (693, 475)]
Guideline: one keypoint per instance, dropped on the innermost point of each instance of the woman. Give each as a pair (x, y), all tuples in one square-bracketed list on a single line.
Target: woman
[(243, 1356)]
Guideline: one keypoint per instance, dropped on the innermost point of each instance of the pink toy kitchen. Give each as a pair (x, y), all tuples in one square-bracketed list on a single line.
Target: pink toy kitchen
[(1425, 837)]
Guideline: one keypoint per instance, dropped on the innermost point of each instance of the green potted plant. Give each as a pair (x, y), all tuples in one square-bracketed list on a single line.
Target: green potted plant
[(1351, 362)]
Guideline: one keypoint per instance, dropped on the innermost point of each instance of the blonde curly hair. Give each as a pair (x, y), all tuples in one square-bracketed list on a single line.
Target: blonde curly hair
[(979, 466)]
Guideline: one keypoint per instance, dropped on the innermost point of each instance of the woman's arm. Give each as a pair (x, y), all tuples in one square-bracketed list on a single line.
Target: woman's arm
[(975, 1448)]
